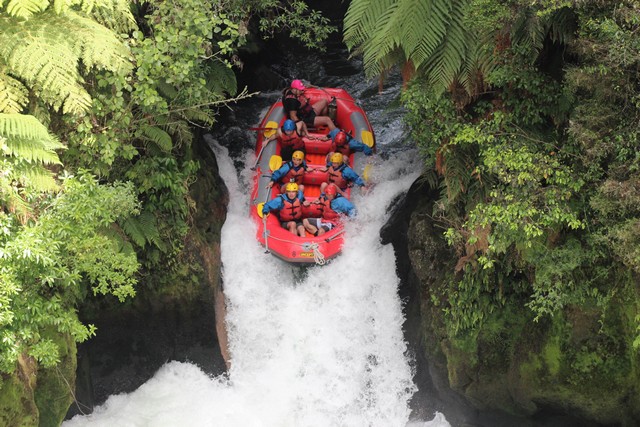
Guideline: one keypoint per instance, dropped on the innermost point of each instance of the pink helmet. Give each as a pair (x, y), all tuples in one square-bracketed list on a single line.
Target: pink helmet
[(297, 84)]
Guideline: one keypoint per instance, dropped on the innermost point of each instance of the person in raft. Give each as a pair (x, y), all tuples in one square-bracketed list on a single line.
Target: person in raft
[(343, 143), (333, 205), (289, 207), (341, 175), (298, 108), (291, 171), (290, 139)]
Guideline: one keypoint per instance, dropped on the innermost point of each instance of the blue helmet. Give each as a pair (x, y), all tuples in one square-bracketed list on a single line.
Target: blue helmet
[(289, 125)]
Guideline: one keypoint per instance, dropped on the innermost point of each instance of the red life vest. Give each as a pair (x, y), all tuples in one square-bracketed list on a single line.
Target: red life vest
[(291, 211), (328, 213), (294, 175), (294, 141), (335, 177)]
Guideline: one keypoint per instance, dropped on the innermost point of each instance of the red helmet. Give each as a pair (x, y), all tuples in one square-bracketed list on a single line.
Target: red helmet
[(341, 138), (331, 189)]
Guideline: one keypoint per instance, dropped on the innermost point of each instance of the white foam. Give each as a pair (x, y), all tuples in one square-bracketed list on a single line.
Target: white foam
[(323, 349)]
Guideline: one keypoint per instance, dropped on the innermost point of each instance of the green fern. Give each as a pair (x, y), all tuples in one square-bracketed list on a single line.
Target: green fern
[(26, 8), (13, 94), (429, 34), (26, 138), (530, 29), (35, 177), (10, 198), (221, 79), (156, 135), (46, 55), (142, 230)]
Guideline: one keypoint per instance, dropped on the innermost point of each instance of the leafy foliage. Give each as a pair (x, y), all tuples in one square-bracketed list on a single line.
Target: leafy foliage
[(428, 37), (538, 175), (46, 267)]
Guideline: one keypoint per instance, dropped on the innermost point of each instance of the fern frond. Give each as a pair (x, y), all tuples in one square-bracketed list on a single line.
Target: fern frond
[(446, 63), (562, 25), (115, 15), (158, 136), (13, 94), (10, 198), (46, 55), (199, 115), (22, 126), (221, 79), (36, 177), (27, 139), (142, 229), (26, 8), (429, 34)]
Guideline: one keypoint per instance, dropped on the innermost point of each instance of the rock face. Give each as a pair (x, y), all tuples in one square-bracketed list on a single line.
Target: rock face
[(176, 321), (511, 370)]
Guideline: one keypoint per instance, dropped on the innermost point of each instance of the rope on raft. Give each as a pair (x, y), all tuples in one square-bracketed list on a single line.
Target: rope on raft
[(318, 257)]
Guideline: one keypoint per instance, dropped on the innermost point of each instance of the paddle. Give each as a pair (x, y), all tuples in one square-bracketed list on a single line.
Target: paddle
[(367, 138), (274, 164), (366, 173), (270, 130)]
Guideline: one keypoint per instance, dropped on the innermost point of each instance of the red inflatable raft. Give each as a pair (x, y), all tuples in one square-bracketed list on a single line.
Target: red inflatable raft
[(276, 239)]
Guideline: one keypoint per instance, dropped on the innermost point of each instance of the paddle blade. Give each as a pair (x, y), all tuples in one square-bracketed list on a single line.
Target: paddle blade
[(367, 138), (259, 209), (275, 162), (366, 173), (271, 128)]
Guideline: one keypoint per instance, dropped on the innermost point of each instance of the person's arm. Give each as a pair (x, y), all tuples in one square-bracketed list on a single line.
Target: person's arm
[(272, 205), (350, 175), (356, 145), (302, 199), (277, 134), (278, 174), (343, 205)]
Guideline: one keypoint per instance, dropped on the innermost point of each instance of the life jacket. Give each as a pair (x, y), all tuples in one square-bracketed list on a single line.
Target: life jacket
[(291, 211), (294, 174), (305, 107), (328, 213), (294, 140), (335, 177)]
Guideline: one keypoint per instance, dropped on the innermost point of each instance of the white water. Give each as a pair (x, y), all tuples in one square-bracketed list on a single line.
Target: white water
[(322, 349)]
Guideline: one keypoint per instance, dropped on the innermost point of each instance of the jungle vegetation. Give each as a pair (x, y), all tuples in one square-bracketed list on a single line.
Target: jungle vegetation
[(98, 105), (527, 115)]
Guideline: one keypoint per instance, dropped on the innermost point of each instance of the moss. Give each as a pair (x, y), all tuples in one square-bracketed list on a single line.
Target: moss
[(551, 355), (55, 389), (16, 403)]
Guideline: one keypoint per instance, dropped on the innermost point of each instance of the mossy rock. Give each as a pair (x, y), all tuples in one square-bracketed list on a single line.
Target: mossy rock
[(17, 408), (55, 388)]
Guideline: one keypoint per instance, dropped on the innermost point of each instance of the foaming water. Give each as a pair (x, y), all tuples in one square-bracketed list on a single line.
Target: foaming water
[(315, 346)]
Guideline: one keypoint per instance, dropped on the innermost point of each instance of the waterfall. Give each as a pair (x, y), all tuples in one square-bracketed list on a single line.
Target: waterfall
[(310, 346)]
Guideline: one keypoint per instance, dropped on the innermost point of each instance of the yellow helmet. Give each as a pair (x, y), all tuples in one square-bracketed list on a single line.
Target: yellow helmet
[(291, 186), (336, 158), (298, 155)]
